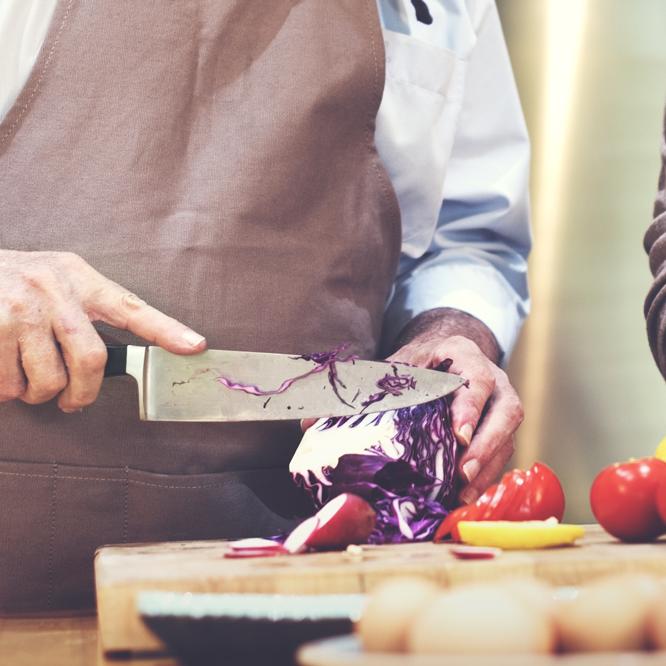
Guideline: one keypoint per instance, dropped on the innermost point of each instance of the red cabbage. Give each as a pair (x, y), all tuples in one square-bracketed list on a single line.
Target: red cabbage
[(324, 361), (401, 461), (393, 384)]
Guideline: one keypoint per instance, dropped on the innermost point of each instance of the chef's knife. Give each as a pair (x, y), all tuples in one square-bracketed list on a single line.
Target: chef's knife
[(195, 388)]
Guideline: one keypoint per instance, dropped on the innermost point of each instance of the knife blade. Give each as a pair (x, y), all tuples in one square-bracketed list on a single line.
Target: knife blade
[(173, 387)]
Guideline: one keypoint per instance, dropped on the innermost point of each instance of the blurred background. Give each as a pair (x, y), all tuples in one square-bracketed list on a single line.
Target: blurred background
[(592, 79)]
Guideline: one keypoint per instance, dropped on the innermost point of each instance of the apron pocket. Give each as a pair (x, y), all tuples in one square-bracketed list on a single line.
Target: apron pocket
[(168, 507), (55, 516)]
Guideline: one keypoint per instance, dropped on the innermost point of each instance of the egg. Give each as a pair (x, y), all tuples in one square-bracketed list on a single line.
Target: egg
[(481, 619), (533, 593), (656, 624), (606, 615), (390, 610)]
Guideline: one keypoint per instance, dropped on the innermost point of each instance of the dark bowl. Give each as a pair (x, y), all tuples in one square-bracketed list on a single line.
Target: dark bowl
[(245, 628)]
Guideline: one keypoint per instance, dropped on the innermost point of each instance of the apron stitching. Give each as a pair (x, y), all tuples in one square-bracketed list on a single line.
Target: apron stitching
[(52, 536), (127, 481), (378, 93), (390, 198), (35, 90), (126, 517)]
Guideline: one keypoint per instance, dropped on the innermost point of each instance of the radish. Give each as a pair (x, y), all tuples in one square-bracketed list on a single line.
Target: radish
[(252, 552), (255, 543), (254, 547), (297, 541), (347, 519)]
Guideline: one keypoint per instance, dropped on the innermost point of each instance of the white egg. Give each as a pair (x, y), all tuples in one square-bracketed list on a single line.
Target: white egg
[(534, 593), (481, 619), (606, 615), (657, 618), (391, 609)]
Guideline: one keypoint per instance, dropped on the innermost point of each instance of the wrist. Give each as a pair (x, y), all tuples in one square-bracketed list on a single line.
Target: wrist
[(441, 323)]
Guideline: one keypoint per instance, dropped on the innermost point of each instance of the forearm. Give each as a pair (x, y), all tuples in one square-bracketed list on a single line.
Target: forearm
[(438, 324), (655, 246)]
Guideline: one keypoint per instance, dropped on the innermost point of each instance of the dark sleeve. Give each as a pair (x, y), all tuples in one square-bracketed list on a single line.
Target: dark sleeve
[(655, 246)]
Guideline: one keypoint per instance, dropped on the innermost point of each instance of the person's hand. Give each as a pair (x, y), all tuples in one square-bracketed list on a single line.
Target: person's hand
[(486, 415), (48, 345)]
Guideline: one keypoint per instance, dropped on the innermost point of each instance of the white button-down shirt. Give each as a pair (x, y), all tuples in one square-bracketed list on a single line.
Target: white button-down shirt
[(452, 137)]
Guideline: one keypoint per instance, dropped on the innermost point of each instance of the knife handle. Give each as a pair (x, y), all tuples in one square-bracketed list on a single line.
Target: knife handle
[(116, 361)]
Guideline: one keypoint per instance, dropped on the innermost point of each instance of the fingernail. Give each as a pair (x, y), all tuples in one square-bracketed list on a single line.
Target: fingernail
[(471, 469), (465, 433), (469, 495), (72, 411), (193, 339)]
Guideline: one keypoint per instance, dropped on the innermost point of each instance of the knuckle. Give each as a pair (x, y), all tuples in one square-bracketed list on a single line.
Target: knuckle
[(457, 343), (484, 381), (11, 390), (17, 308), (30, 397), (514, 409), (69, 259), (91, 361), (37, 277), (75, 403), (81, 398), (50, 386), (45, 388), (130, 301)]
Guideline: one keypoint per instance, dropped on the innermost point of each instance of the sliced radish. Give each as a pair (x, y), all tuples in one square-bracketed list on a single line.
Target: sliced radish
[(255, 543), (297, 541), (347, 519), (475, 552), (253, 552)]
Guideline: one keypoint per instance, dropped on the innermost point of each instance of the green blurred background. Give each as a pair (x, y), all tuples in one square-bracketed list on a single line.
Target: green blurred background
[(592, 79)]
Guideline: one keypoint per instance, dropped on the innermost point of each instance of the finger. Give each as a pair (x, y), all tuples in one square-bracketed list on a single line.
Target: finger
[(469, 402), (122, 309), (12, 379), (84, 354), (502, 419), (43, 366), (472, 491), (307, 423)]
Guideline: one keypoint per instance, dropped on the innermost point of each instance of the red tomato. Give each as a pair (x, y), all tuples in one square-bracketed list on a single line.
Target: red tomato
[(449, 526), (661, 501), (541, 498), (499, 497), (535, 494), (485, 502), (623, 499)]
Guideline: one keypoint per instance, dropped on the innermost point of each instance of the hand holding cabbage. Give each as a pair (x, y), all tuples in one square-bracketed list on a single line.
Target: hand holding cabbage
[(404, 461)]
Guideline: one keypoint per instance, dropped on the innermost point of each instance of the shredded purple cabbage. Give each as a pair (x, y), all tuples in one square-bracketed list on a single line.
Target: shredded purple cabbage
[(324, 361), (393, 384), (411, 493)]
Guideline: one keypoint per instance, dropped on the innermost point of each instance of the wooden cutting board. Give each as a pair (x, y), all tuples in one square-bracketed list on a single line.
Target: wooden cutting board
[(122, 572)]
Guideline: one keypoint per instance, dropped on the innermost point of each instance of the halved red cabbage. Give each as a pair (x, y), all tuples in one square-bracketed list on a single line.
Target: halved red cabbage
[(401, 461)]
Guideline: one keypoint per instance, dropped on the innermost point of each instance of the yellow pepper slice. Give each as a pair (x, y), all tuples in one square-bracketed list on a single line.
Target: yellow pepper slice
[(661, 450), (518, 535)]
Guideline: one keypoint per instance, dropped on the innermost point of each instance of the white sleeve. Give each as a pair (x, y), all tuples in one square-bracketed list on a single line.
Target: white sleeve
[(477, 260)]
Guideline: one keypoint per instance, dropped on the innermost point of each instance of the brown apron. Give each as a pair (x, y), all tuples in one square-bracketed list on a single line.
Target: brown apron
[(216, 157)]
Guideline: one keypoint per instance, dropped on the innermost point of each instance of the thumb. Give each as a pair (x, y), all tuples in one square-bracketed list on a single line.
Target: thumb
[(307, 423)]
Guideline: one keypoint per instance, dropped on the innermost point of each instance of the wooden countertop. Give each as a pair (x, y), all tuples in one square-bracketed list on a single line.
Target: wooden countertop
[(59, 641)]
